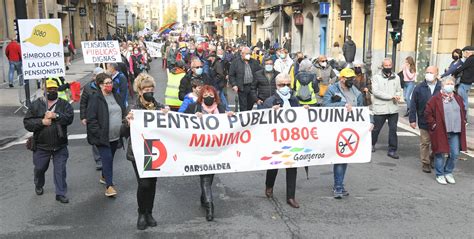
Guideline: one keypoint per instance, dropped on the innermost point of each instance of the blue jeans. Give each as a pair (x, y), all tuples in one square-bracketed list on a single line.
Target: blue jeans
[(463, 91), (407, 91), (441, 167), (339, 173), (107, 156), (41, 159), (224, 100), (15, 65)]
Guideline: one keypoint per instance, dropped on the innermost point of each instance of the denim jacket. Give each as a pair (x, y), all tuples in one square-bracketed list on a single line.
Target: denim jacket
[(335, 89)]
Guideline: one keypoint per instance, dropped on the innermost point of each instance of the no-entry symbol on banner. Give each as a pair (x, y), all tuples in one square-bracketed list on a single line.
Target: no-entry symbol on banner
[(347, 142)]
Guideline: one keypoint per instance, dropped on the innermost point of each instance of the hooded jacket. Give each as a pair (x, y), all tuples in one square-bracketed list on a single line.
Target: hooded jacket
[(349, 50)]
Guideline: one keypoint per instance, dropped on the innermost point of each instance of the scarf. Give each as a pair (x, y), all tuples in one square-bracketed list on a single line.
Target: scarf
[(285, 98), (147, 105), (210, 109), (447, 97)]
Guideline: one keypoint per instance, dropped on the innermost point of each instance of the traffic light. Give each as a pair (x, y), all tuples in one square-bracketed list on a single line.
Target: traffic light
[(393, 10), (15, 28), (396, 33)]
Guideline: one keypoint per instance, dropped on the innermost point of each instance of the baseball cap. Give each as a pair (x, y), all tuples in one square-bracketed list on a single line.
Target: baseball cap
[(51, 83), (347, 72)]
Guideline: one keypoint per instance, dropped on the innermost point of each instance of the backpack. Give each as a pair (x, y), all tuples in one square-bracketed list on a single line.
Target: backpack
[(304, 93)]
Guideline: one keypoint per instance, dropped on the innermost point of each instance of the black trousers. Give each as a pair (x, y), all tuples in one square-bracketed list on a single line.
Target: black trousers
[(290, 181), (145, 192), (246, 100), (206, 190), (379, 121)]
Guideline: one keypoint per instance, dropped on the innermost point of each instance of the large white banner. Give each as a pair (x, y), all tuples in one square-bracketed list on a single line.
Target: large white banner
[(101, 52), (176, 144), (41, 48), (153, 48)]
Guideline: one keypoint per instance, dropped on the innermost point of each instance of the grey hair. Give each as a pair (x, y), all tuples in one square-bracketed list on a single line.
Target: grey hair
[(305, 65), (387, 59), (282, 76), (448, 78), (114, 65)]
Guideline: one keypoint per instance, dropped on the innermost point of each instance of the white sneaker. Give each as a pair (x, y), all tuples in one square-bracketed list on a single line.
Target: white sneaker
[(450, 178), (441, 180)]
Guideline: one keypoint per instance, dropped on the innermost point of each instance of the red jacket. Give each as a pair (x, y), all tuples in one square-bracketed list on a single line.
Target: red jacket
[(434, 115), (13, 51)]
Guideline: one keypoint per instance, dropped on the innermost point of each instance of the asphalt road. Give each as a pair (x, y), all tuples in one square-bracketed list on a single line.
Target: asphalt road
[(388, 198)]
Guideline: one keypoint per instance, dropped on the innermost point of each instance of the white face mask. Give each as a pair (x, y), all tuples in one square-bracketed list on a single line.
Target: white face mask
[(323, 64), (247, 57), (429, 77)]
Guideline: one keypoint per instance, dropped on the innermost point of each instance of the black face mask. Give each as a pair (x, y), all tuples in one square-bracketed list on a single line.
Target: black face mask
[(387, 71), (148, 96), (52, 95), (358, 70), (455, 58), (208, 100), (349, 83)]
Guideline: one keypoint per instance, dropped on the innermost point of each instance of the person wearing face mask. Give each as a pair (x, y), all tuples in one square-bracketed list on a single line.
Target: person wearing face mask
[(48, 119), (422, 93), (241, 76), (284, 62), (137, 62), (386, 94), (361, 83), (445, 115), (467, 78), (456, 55), (208, 103), (282, 98), (196, 73), (105, 113), (264, 84), (145, 87), (324, 74), (342, 94)]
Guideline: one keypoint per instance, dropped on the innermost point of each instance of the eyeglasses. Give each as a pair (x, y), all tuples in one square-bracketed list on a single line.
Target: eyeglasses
[(284, 84)]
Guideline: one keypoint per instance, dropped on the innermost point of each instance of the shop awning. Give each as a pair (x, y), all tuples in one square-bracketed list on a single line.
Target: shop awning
[(269, 21)]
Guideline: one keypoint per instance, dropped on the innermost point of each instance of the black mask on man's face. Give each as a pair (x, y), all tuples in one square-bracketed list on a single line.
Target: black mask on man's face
[(387, 70), (52, 95), (349, 82), (358, 70)]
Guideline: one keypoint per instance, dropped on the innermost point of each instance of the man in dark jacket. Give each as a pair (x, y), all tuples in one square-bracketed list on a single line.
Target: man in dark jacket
[(467, 77), (218, 74), (48, 120), (260, 43), (264, 84), (420, 97), (90, 89), (349, 50), (241, 76), (120, 82), (196, 72)]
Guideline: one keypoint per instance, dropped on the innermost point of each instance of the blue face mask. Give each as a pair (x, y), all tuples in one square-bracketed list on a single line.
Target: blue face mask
[(448, 89), (285, 90), (282, 56), (268, 68), (199, 71)]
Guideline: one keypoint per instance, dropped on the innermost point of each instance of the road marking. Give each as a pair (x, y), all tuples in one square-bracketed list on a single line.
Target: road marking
[(23, 139), (406, 134)]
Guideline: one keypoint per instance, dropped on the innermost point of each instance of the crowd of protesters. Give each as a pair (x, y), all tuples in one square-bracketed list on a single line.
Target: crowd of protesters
[(263, 76)]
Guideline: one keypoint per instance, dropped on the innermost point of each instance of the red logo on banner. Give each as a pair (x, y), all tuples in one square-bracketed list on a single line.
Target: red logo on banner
[(347, 142)]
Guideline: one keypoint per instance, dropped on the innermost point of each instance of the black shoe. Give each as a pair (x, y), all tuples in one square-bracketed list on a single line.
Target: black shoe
[(209, 211), (39, 190), (98, 165), (141, 222), (10, 85), (373, 149), (62, 199), (393, 154), (150, 221)]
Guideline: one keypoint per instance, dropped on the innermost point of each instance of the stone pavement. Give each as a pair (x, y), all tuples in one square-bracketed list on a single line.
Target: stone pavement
[(12, 123)]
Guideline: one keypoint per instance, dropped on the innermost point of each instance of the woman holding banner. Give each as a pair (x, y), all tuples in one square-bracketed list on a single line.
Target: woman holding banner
[(145, 86), (282, 98), (207, 103)]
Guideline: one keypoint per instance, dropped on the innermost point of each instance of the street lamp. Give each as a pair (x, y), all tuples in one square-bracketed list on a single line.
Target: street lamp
[(126, 23), (133, 25), (116, 14)]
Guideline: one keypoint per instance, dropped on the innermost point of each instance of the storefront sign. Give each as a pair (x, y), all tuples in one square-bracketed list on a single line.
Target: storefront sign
[(176, 144), (101, 52), (42, 48)]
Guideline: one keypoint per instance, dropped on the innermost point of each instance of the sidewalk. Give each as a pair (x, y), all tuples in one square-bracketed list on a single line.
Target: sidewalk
[(12, 123)]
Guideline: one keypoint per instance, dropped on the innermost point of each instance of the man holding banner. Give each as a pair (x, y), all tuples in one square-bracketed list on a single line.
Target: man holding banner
[(342, 94)]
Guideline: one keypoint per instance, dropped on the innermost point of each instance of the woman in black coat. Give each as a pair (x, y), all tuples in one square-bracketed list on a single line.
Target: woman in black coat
[(145, 86), (105, 112), (207, 103)]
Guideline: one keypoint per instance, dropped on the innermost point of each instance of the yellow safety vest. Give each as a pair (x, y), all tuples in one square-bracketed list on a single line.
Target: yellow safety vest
[(172, 90), (62, 94), (313, 95)]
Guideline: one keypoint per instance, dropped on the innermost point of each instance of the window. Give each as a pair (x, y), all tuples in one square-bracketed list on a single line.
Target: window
[(208, 10)]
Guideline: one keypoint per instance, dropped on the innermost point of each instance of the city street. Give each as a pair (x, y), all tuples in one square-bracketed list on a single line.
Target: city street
[(388, 198)]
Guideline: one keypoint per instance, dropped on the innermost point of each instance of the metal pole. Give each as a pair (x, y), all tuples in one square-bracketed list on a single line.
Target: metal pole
[(94, 7), (368, 60), (116, 26), (394, 54)]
